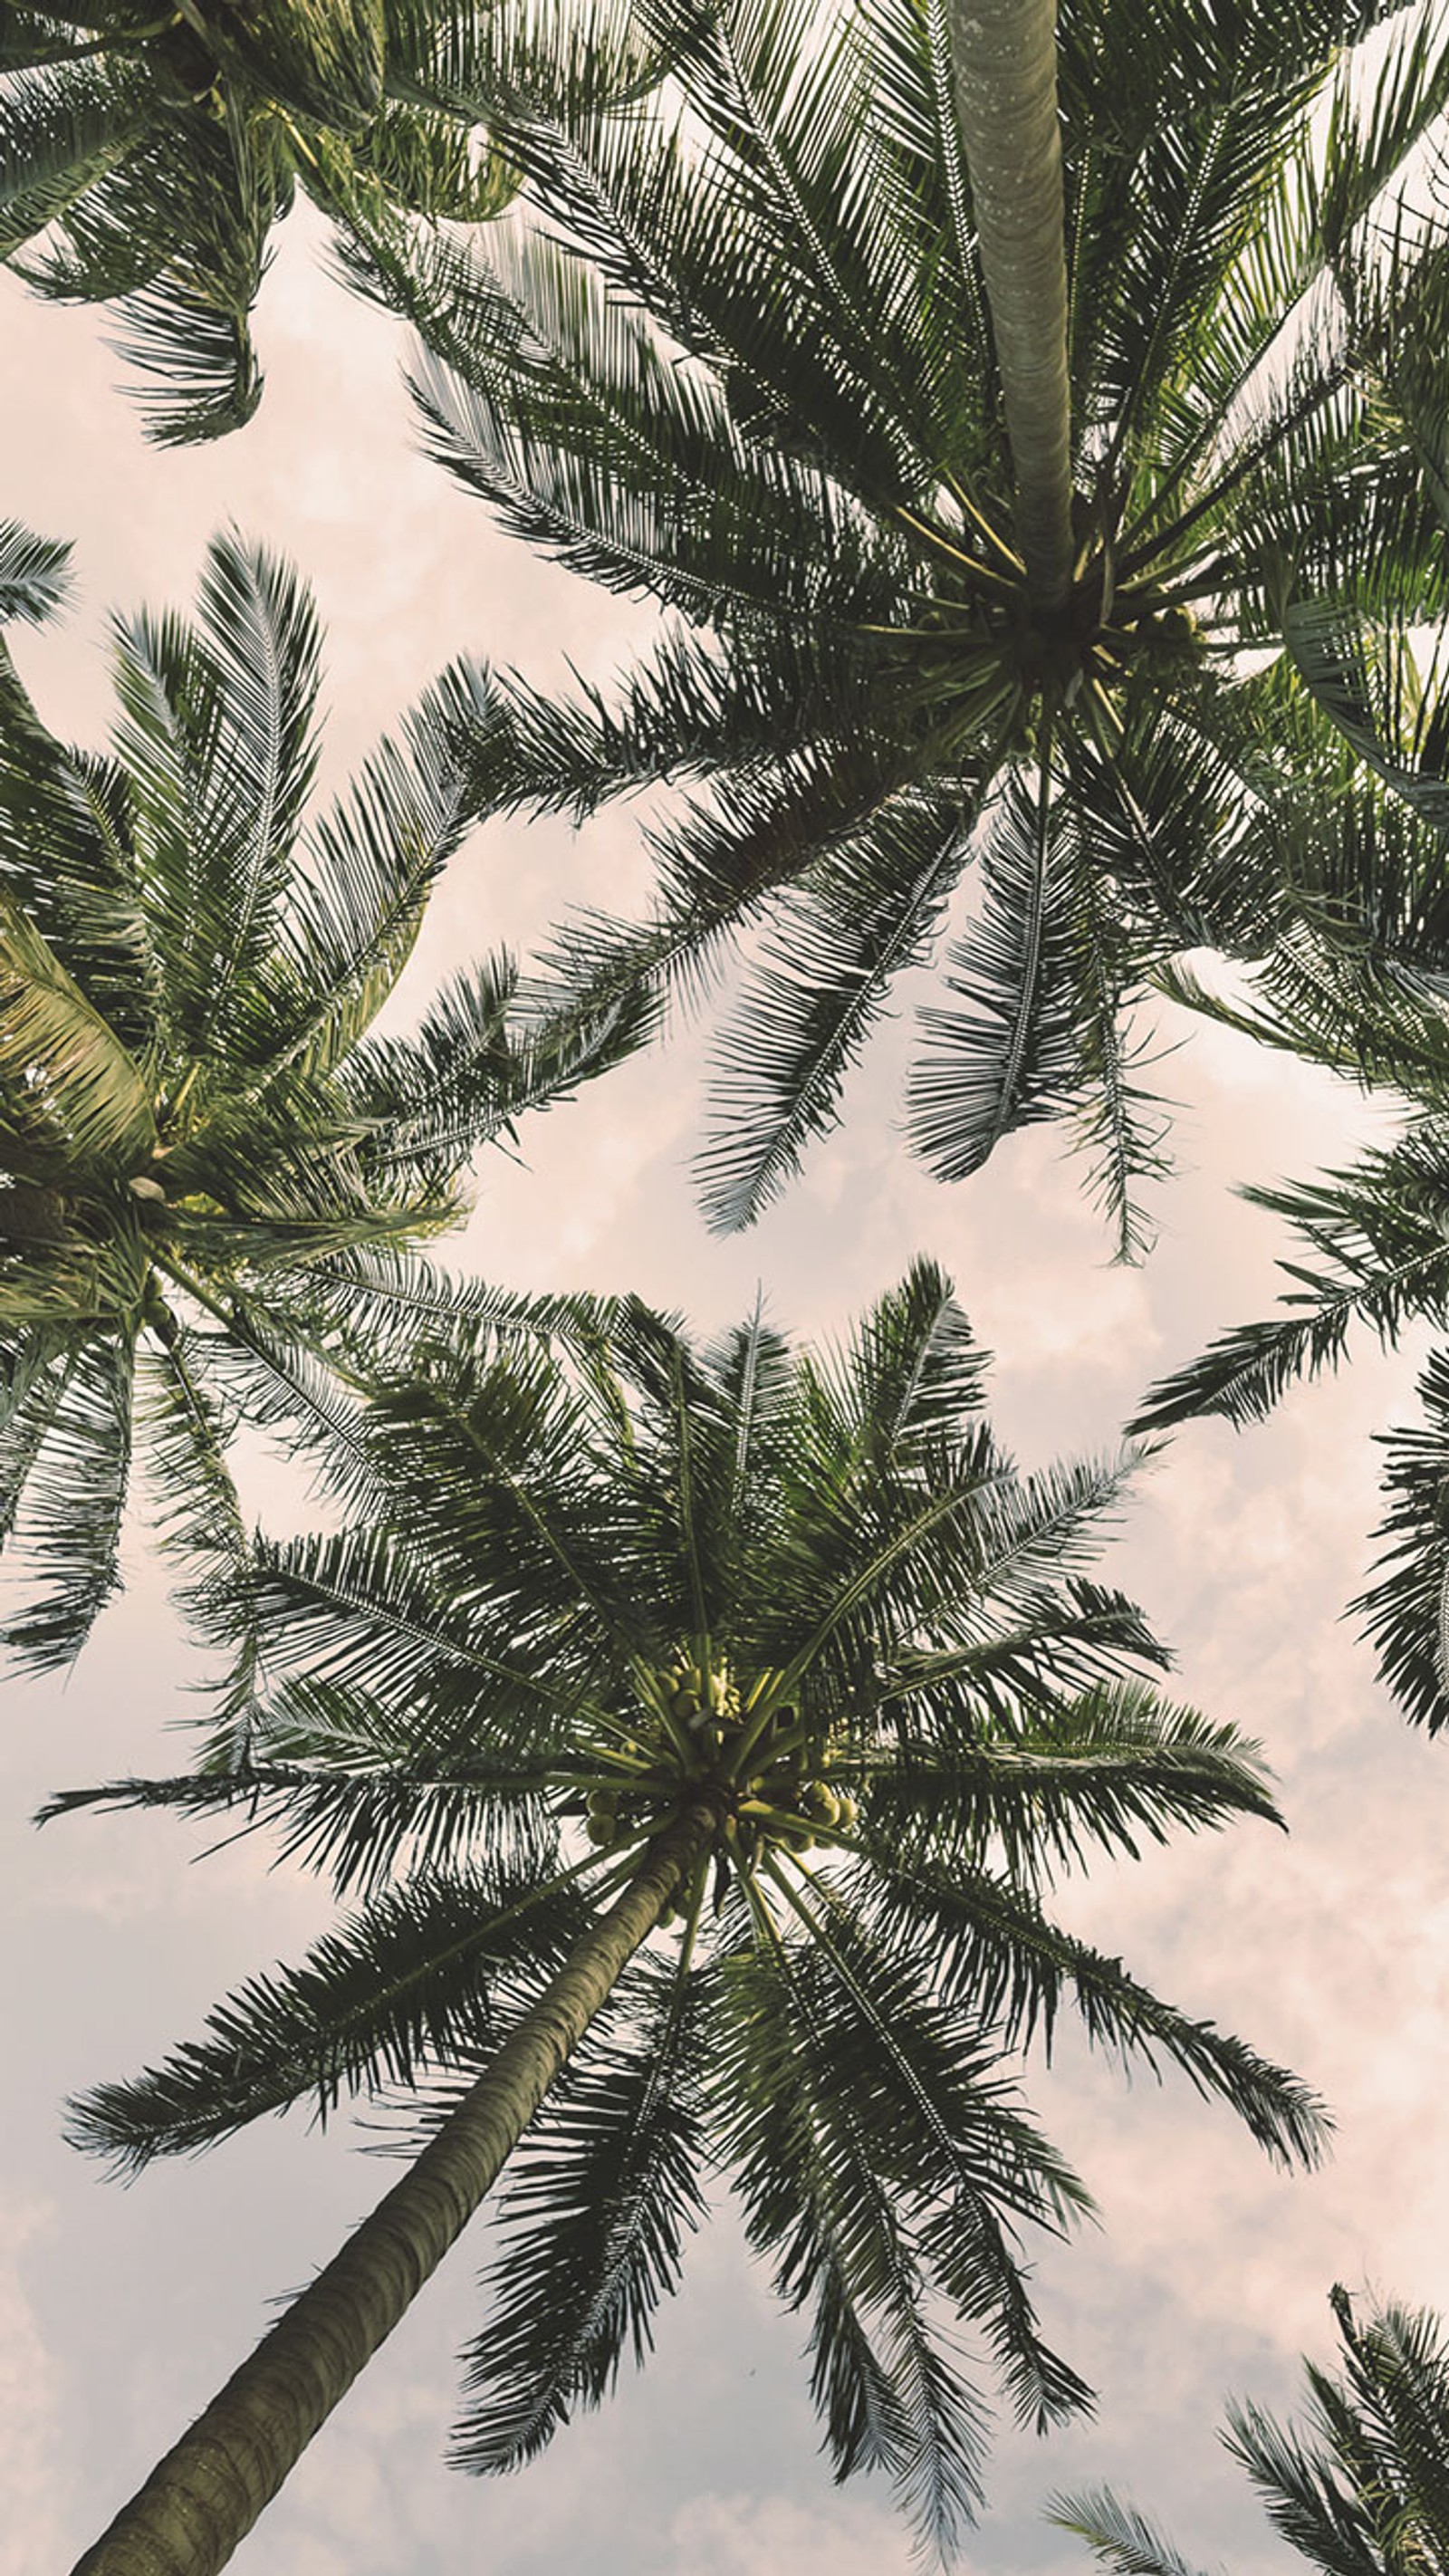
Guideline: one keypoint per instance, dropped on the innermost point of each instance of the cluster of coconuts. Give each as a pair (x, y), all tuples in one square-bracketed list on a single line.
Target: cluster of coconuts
[(704, 1702), (704, 1698)]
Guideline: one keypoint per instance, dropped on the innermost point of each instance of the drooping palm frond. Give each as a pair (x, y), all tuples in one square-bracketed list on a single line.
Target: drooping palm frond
[(1381, 1257), (63, 1486), (33, 574), (849, 2104), (592, 2218), (406, 1984)]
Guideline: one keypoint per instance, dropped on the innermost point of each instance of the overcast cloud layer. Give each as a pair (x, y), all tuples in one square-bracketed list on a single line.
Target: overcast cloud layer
[(121, 2311)]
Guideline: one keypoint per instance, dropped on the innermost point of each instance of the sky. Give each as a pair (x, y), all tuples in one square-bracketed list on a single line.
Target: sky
[(121, 2310)]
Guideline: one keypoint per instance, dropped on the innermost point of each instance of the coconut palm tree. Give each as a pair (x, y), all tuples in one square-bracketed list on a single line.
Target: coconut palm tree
[(776, 1657), (772, 360), (211, 1169), (1362, 2491)]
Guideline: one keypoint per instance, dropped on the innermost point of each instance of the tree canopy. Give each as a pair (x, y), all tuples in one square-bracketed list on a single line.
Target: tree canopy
[(212, 1167), (798, 1621), (741, 361)]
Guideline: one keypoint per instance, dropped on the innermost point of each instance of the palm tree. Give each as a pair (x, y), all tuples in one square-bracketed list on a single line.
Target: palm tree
[(1364, 2491), (770, 360), (780, 1657), (210, 1170)]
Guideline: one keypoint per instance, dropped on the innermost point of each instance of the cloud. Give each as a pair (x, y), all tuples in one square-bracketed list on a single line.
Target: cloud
[(31, 2536), (749, 2535)]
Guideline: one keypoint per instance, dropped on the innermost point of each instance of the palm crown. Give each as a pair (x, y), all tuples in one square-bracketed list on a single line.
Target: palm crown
[(208, 1164), (818, 1678), (749, 364), (148, 154), (1362, 2490)]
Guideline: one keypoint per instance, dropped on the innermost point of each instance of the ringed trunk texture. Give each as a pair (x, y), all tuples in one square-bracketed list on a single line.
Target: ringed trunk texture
[(1004, 57), (204, 2496)]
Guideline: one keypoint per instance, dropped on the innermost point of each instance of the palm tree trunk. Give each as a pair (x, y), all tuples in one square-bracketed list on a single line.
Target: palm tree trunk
[(1004, 56), (204, 2496)]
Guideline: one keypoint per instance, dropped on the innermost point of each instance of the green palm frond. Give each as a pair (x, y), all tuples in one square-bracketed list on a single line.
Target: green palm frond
[(198, 1518), (62, 130), (352, 920), (68, 1452), (862, 915), (34, 574), (1003, 1053), (343, 1789), (218, 736), (592, 2218), (1405, 1610), (1122, 2540), (375, 1303), (1381, 1257), (407, 1984), (71, 1092), (823, 2114), (1010, 1969), (1116, 1768)]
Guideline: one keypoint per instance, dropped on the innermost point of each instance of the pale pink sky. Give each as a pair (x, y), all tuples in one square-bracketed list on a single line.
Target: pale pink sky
[(120, 2311)]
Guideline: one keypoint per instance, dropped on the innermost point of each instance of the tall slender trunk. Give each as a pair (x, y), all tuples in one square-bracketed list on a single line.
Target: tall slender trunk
[(204, 2496), (1004, 56)]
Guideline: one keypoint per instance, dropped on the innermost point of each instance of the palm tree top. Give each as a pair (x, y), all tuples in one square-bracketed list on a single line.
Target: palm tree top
[(796, 1619), (745, 365), (208, 1155)]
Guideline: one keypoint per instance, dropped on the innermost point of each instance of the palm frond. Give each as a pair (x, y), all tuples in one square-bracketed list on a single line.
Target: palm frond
[(34, 574), (1115, 1768), (1120, 2538), (1009, 1969), (593, 2217), (70, 1453), (1382, 1256), (411, 1982), (199, 1519), (825, 2134), (1008, 1056), (68, 1084), (342, 1791), (1405, 1610), (837, 940)]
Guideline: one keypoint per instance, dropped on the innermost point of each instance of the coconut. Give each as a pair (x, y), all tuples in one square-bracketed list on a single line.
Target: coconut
[(601, 1829)]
